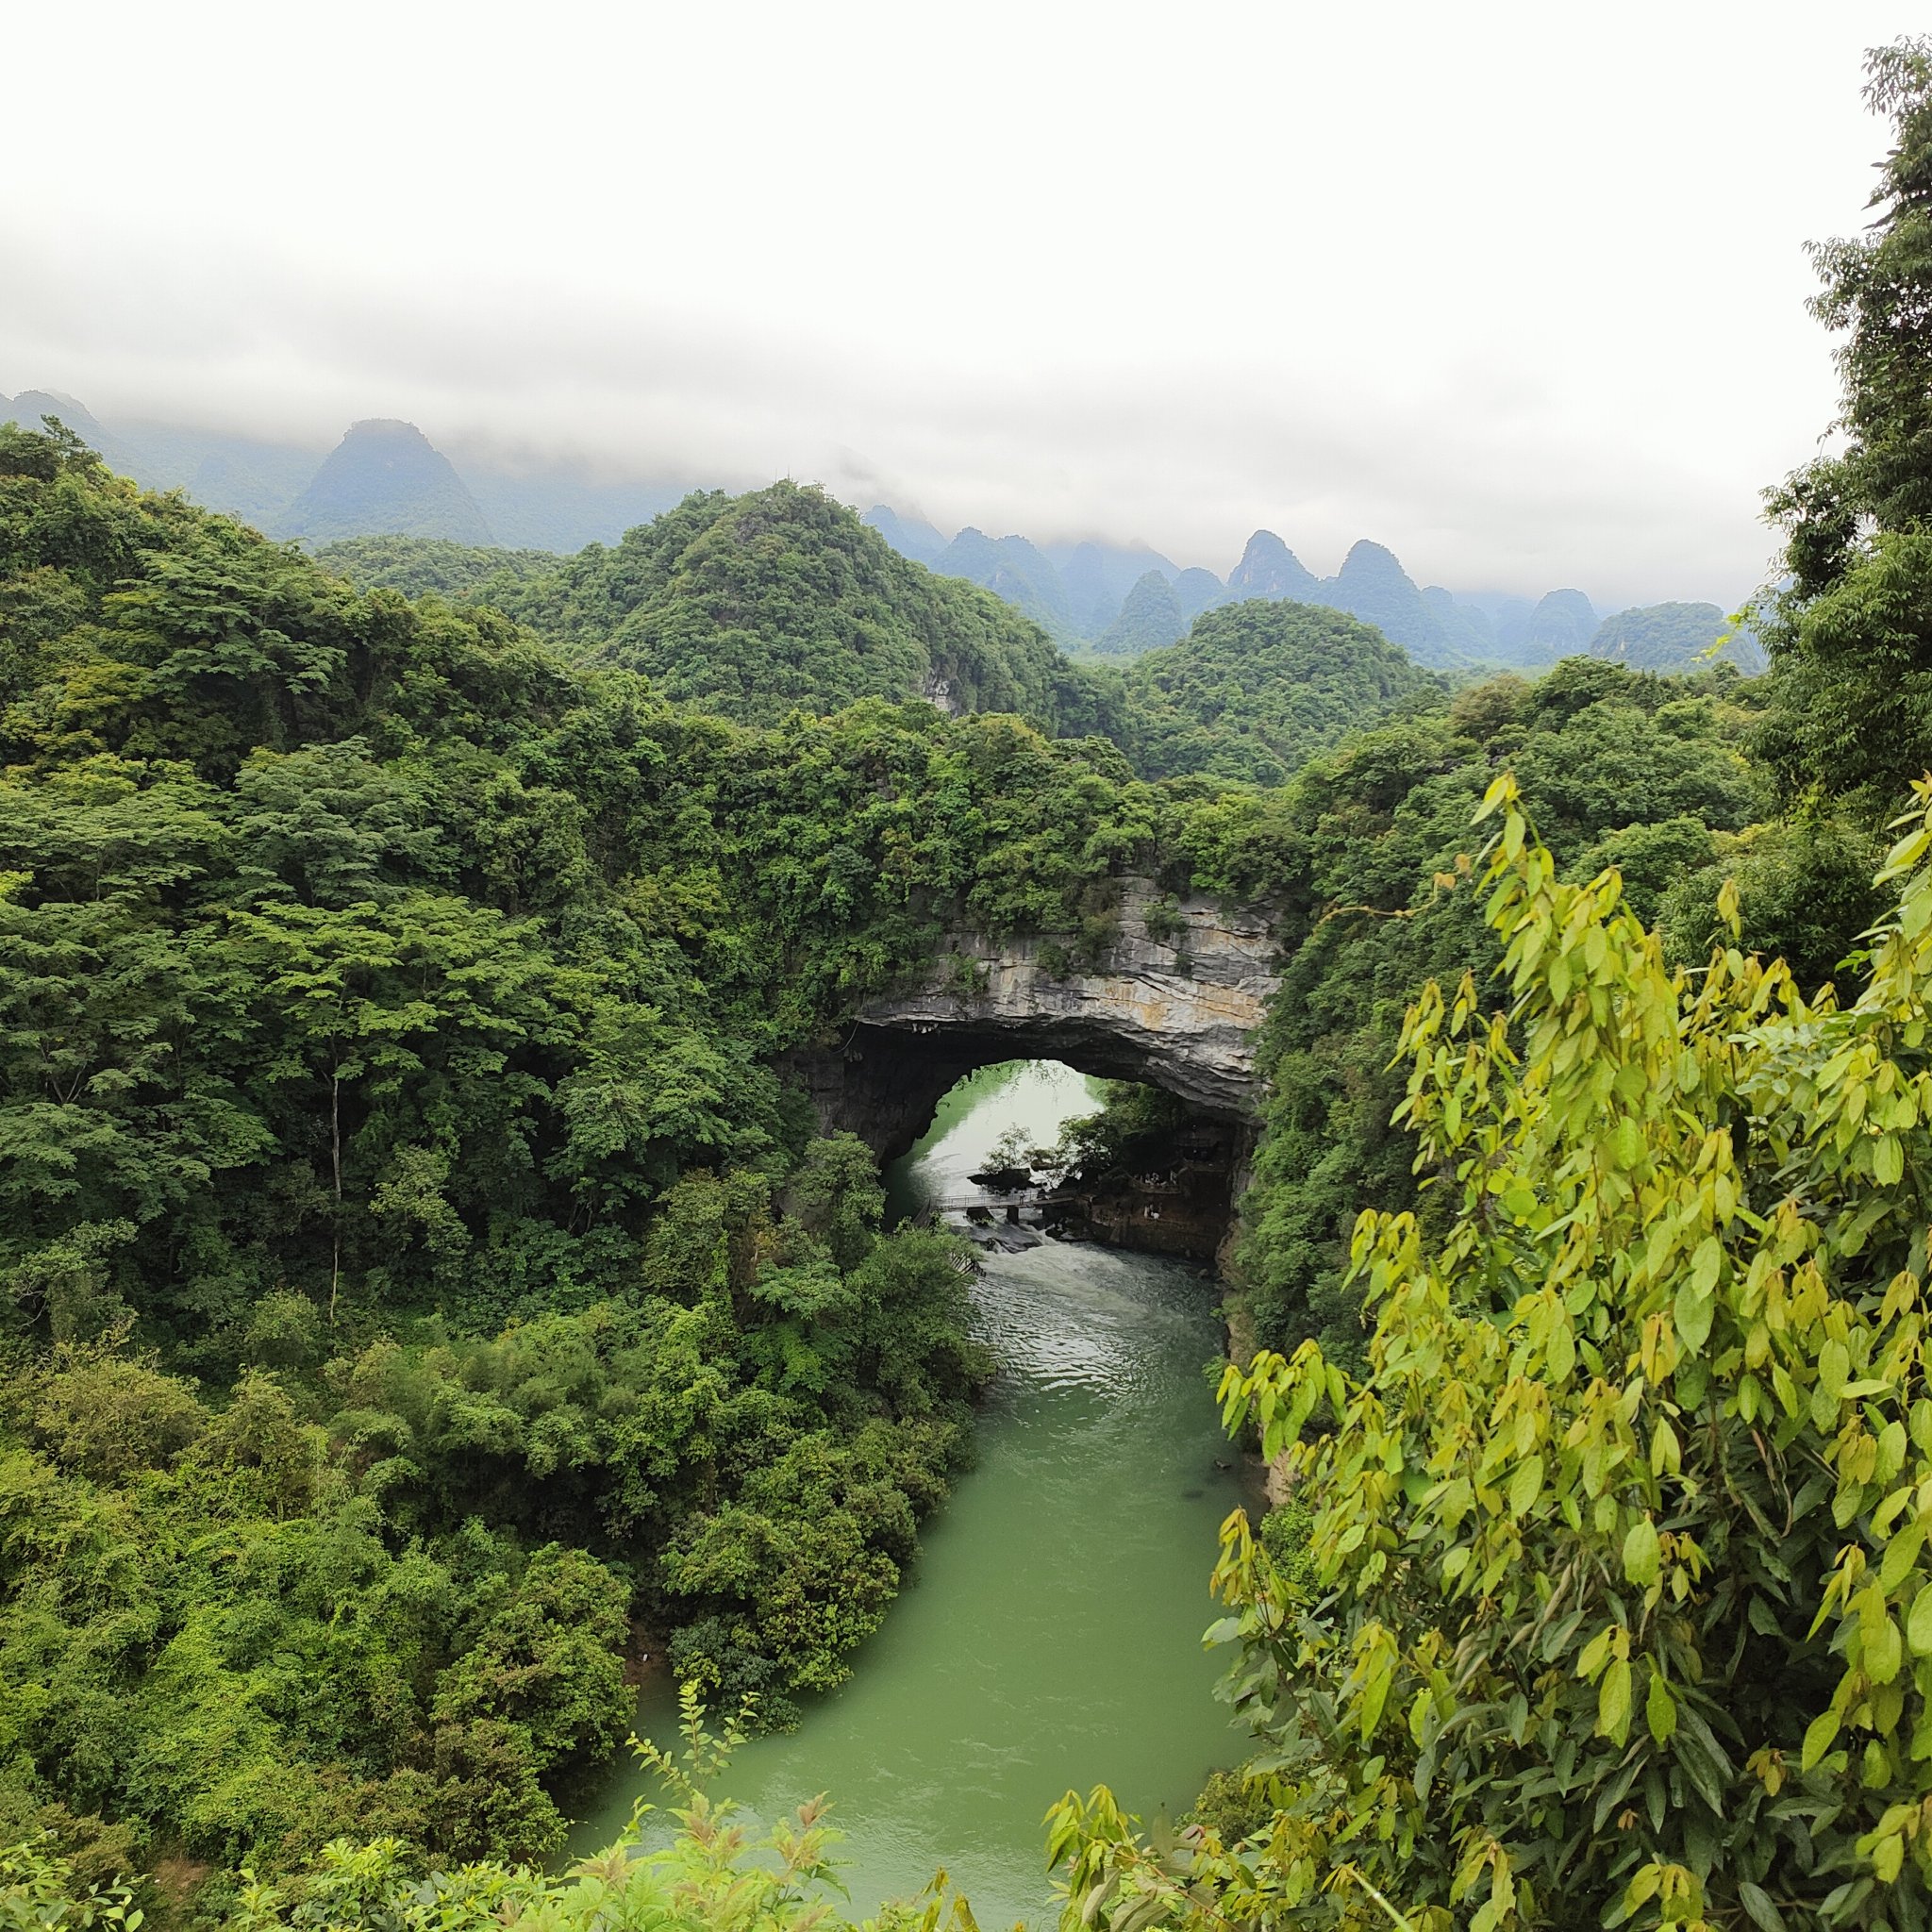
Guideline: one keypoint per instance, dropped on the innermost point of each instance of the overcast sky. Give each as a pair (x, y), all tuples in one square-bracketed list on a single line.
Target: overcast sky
[(1517, 290)]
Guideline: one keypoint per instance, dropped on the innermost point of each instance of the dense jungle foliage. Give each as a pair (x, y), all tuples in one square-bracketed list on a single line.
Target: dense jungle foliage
[(1617, 1604), (1650, 774), (418, 1272), (1672, 637), (423, 566), (402, 1185), (420, 1275), (424, 1288), (1850, 633), (715, 1871), (1613, 1605), (757, 605), (1256, 687)]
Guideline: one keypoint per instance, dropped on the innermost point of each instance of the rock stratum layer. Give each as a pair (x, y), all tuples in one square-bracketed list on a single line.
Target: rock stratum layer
[(1179, 1012)]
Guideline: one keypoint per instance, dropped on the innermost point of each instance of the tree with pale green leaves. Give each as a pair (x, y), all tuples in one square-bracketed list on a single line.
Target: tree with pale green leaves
[(1850, 633), (1619, 1606)]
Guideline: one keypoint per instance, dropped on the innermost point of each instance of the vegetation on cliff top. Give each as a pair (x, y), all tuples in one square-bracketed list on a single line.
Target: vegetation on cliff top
[(1254, 689), (757, 605)]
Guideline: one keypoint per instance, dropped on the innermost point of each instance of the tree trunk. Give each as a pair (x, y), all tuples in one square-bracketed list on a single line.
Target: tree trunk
[(335, 1138)]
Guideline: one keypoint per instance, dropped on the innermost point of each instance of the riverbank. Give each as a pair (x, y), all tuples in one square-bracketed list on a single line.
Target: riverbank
[(1049, 1635)]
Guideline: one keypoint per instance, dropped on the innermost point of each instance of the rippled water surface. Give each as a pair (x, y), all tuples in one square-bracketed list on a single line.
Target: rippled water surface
[(1049, 1636)]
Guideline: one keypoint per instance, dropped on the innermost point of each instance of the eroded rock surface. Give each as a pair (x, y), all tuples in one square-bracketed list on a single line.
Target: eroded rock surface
[(1180, 1011)]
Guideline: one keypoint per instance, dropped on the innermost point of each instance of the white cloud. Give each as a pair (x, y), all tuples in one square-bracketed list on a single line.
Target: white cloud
[(1514, 288)]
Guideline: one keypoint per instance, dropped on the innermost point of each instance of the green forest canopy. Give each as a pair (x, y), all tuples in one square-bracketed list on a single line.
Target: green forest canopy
[(756, 605), (393, 1012), (396, 1151), (419, 1271)]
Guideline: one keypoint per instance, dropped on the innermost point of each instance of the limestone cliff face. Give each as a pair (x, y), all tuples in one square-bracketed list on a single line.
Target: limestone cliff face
[(1178, 1012)]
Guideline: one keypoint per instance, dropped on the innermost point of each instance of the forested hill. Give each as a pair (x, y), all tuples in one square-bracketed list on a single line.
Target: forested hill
[(1254, 689), (757, 605)]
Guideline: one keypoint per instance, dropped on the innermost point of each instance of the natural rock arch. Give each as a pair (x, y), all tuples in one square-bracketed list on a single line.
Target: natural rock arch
[(1180, 1011)]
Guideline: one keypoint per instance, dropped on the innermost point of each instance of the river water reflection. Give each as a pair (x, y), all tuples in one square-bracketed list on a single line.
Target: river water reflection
[(1049, 1637)]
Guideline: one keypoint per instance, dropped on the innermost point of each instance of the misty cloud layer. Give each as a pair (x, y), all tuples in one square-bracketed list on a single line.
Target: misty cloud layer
[(1522, 301)]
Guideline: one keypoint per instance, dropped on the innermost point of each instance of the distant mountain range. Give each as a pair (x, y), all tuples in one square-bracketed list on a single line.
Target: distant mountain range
[(1117, 601), (384, 478)]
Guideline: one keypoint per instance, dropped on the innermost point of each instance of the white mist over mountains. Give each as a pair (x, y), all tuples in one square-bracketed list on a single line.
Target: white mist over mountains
[(384, 477), (1519, 292)]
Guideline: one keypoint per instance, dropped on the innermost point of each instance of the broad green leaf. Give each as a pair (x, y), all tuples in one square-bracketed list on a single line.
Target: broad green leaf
[(1613, 1702), (1819, 1735), (1887, 1161), (1706, 1264), (1640, 1553), (1692, 1313), (1594, 1652), (1919, 1623), (1660, 1708), (1884, 1652), (1561, 1353), (1834, 1368), (1525, 1485), (1901, 1553)]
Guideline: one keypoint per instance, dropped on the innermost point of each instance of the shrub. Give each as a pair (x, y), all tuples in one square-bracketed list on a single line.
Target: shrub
[(1620, 1604)]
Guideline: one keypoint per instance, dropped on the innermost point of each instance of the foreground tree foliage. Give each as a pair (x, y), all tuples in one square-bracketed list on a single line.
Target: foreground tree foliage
[(715, 1874), (1620, 1606), (1650, 774), (1851, 632)]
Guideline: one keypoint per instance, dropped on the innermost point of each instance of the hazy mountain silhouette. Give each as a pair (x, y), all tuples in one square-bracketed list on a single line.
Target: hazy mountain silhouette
[(1270, 568), (1374, 585), (559, 507), (910, 535), (540, 503), (1197, 590), (1149, 620), (1674, 637), (1100, 577), (1559, 626), (385, 478), (32, 404), (1466, 627), (1012, 568)]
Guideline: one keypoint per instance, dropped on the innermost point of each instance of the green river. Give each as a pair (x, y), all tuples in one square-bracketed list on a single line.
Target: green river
[(1049, 1636)]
